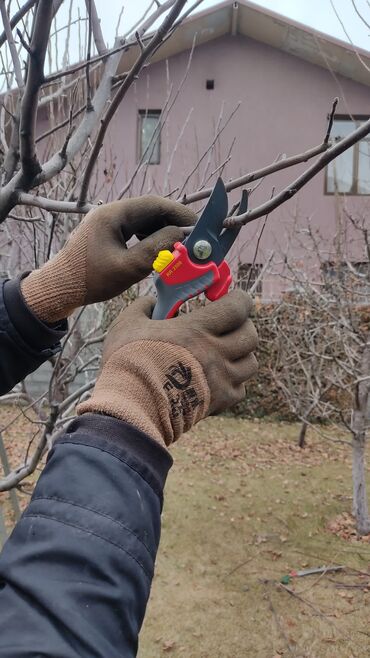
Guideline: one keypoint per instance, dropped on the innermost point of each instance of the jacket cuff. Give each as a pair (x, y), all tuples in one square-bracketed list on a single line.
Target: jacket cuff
[(37, 334), (126, 443)]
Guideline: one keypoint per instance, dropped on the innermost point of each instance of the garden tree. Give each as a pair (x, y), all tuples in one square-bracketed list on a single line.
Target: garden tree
[(322, 340), (52, 128)]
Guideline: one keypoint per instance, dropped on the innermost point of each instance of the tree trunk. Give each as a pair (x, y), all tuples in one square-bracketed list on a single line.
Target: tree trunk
[(302, 435), (359, 425), (360, 507)]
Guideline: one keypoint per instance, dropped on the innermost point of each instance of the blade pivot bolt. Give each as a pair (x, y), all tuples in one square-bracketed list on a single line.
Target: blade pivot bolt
[(202, 249)]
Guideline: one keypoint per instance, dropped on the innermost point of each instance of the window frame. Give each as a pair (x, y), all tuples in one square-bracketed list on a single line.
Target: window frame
[(141, 116), (353, 191)]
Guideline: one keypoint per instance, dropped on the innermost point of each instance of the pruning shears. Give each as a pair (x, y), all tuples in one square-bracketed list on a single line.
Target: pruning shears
[(197, 264)]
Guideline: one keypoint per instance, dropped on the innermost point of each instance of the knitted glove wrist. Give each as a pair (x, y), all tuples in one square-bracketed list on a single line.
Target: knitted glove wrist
[(59, 287)]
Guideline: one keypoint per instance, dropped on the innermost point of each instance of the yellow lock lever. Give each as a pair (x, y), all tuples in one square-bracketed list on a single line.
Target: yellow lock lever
[(163, 259)]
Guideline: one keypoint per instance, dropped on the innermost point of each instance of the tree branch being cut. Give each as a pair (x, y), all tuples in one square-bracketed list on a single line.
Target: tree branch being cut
[(290, 190)]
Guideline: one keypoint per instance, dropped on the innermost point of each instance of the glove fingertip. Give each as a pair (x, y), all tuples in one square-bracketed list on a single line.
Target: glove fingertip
[(145, 305), (166, 237)]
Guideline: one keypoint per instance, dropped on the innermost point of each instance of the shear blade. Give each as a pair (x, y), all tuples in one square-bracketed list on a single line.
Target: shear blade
[(210, 224), (229, 235)]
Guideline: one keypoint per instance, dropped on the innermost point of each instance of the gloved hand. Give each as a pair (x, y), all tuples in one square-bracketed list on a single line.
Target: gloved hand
[(163, 376), (95, 265)]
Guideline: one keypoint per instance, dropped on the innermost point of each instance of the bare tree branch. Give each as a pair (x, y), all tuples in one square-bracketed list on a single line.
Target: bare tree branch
[(218, 132), (360, 59), (143, 24), (78, 67), (359, 14), (96, 27), (29, 220), (35, 73), (11, 44), (88, 58), (259, 173), (10, 193), (122, 41), (53, 205), (143, 57), (29, 467), (292, 189), (22, 11), (60, 125)]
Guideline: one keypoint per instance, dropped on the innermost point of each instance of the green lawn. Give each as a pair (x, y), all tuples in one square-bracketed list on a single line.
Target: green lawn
[(243, 507)]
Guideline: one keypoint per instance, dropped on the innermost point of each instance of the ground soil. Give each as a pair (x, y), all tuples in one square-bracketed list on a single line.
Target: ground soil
[(244, 507)]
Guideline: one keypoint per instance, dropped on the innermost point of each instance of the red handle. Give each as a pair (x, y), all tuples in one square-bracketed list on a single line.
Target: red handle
[(221, 287), (182, 279)]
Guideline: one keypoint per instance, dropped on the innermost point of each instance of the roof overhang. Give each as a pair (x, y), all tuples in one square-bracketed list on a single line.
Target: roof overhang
[(250, 20)]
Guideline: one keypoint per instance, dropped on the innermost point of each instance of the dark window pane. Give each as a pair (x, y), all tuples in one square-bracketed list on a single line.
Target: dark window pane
[(364, 167), (149, 138), (350, 172), (340, 172)]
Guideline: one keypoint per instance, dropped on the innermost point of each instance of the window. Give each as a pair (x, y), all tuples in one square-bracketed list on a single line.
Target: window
[(149, 147), (247, 276), (349, 173)]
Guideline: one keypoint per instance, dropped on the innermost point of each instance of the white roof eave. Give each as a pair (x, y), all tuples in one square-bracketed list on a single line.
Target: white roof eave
[(257, 23)]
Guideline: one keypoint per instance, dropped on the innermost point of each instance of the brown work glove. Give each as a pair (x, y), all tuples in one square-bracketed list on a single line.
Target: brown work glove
[(95, 265), (163, 376)]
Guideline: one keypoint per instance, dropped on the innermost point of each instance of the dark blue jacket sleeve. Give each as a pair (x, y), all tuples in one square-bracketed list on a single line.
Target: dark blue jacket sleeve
[(75, 574), (25, 341)]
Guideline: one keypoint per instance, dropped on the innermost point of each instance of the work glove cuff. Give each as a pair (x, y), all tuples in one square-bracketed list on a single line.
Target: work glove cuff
[(55, 290), (158, 387)]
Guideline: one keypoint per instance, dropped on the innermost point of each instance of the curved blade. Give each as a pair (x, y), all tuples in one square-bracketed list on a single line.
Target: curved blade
[(209, 225), (228, 237)]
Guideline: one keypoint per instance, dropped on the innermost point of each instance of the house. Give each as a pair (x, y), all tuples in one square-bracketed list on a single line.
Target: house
[(235, 88)]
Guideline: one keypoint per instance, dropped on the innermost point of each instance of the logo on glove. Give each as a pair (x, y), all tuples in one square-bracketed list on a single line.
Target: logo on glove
[(179, 378)]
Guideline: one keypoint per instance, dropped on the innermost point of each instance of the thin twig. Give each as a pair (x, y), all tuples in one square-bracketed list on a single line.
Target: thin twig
[(330, 120), (16, 18), (95, 25), (359, 14), (11, 44), (88, 57), (279, 625), (258, 243)]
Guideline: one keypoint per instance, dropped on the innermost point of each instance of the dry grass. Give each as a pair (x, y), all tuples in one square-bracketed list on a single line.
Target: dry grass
[(20, 436), (244, 506)]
